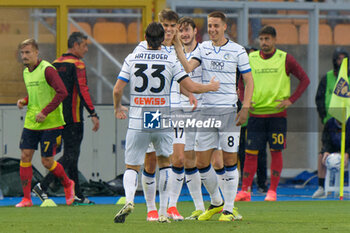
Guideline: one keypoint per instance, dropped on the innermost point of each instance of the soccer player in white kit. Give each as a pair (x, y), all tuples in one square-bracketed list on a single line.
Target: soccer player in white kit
[(169, 20), (150, 74), (185, 159), (220, 57)]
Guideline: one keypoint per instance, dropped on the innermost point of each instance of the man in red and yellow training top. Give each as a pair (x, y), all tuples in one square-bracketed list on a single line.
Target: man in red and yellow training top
[(43, 122), (271, 69)]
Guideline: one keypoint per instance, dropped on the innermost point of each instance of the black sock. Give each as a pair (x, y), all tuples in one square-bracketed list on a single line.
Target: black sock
[(321, 182)]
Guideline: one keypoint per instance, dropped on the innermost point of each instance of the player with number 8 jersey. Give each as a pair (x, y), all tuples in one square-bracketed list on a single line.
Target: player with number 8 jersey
[(220, 57)]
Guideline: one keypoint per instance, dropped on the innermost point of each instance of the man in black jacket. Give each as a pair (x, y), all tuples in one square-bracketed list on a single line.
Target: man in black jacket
[(331, 140)]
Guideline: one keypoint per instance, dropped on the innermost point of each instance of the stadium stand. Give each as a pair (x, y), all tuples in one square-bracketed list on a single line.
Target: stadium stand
[(286, 33), (267, 21), (12, 86), (298, 22), (110, 33), (14, 28), (325, 36), (12, 14), (133, 37), (46, 38), (233, 32), (85, 26), (342, 34)]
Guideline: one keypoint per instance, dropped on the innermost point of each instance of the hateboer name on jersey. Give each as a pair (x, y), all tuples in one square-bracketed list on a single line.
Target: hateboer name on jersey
[(151, 56)]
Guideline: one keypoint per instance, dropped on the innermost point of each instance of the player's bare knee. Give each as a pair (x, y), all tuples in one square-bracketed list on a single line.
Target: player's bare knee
[(229, 158), (25, 158), (177, 161), (163, 161), (230, 161), (47, 162), (202, 164), (133, 167), (150, 168), (217, 163), (27, 155), (189, 163), (150, 163)]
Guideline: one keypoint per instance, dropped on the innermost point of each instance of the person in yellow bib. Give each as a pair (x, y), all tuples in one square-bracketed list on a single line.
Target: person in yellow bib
[(271, 69), (43, 122)]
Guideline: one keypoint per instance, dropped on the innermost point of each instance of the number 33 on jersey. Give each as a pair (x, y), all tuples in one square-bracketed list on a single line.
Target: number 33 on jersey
[(150, 74)]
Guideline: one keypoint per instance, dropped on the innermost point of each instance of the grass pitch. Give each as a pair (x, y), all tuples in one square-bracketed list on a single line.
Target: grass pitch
[(308, 216)]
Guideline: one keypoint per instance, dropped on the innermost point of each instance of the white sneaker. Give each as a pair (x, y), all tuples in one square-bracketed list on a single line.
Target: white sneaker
[(124, 212), (319, 193)]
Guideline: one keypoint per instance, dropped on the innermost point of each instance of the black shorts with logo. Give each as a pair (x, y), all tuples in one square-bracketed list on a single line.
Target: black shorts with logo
[(50, 141), (262, 130)]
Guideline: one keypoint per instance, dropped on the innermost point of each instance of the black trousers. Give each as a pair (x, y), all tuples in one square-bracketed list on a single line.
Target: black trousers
[(72, 136)]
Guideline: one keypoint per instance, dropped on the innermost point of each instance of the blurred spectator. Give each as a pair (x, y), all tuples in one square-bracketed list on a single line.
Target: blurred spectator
[(326, 85), (331, 140), (85, 18)]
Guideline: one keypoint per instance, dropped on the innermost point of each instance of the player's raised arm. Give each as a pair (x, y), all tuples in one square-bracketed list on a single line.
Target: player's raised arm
[(190, 65)]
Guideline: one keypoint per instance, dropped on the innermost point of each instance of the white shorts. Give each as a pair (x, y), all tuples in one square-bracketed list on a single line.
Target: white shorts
[(190, 140), (179, 135), (191, 132), (137, 143), (225, 138), (150, 148)]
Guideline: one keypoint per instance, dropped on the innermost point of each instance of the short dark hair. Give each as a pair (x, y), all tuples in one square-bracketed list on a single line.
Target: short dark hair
[(31, 42), (154, 35), (187, 21), (168, 14), (76, 37), (269, 30), (218, 14)]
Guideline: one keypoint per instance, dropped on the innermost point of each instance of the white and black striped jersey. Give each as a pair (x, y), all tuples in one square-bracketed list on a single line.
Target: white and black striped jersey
[(221, 62), (150, 74), (196, 76), (175, 88)]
